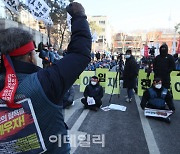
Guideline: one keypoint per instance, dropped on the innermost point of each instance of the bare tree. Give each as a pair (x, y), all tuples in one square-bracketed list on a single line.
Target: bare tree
[(58, 31)]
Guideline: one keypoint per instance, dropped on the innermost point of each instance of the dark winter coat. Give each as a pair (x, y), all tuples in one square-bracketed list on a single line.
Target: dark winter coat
[(162, 67), (95, 91), (130, 73)]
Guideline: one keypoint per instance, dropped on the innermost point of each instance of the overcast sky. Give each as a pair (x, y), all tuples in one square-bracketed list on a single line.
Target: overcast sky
[(127, 15)]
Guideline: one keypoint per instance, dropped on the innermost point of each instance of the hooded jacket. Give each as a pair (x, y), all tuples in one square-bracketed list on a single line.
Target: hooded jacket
[(163, 65)]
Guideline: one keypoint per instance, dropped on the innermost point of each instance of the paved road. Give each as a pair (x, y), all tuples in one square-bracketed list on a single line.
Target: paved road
[(126, 132)]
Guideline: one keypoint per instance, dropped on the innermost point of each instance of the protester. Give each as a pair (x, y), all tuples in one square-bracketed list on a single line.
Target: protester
[(44, 54), (130, 74), (163, 65), (57, 57), (93, 94), (68, 97), (177, 62), (51, 54), (156, 97), (45, 87), (98, 55)]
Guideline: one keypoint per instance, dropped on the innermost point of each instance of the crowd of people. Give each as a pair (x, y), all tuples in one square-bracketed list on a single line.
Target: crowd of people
[(50, 89)]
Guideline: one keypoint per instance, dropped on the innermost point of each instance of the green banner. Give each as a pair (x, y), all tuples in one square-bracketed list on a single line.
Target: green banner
[(85, 78), (144, 82), (110, 82), (101, 74), (175, 84), (77, 82), (174, 73)]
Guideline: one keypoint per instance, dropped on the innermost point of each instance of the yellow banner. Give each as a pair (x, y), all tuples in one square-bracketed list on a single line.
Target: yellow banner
[(144, 82), (85, 78), (101, 74), (175, 84), (77, 82), (174, 73), (110, 82)]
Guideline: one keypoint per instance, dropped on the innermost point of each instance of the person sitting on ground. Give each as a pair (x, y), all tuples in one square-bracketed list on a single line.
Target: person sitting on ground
[(93, 94), (156, 97), (68, 97)]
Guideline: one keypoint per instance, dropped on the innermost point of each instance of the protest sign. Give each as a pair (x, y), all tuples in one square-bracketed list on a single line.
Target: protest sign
[(157, 113), (174, 73), (77, 82), (101, 74), (39, 9), (12, 5), (110, 82), (85, 78), (19, 130), (175, 84), (144, 82)]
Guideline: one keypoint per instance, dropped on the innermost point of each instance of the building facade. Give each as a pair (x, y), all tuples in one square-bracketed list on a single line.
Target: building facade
[(104, 36)]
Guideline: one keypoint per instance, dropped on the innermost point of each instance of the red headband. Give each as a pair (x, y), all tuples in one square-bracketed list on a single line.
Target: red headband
[(23, 50), (11, 81)]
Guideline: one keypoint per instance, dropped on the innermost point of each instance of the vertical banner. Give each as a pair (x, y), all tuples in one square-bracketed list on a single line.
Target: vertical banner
[(19, 130), (175, 84), (144, 82), (145, 51), (39, 9), (101, 74), (110, 82), (178, 49), (85, 78)]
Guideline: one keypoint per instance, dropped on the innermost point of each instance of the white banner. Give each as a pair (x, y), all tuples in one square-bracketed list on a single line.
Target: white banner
[(157, 113), (12, 5), (39, 9)]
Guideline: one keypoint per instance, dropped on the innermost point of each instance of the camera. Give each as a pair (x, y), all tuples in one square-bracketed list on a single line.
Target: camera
[(152, 51)]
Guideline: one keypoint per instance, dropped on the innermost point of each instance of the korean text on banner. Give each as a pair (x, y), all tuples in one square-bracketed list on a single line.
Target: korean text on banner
[(144, 82), (101, 74), (39, 9), (110, 82), (19, 130), (175, 84), (12, 5), (85, 78)]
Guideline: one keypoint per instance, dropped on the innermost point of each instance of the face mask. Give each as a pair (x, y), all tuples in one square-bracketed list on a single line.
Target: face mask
[(93, 83), (158, 86), (127, 56)]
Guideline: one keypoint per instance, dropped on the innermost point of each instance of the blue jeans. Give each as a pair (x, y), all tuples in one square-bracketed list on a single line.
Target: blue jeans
[(129, 93)]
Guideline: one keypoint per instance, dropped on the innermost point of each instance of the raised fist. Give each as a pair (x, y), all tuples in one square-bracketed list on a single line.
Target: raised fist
[(75, 9)]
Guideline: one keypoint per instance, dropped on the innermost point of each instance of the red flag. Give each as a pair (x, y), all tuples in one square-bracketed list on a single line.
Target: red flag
[(178, 50), (145, 51)]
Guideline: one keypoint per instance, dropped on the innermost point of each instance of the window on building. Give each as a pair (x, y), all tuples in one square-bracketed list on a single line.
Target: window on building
[(101, 37), (102, 22)]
